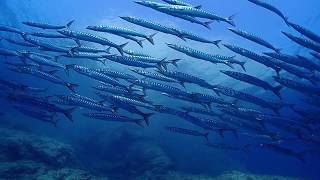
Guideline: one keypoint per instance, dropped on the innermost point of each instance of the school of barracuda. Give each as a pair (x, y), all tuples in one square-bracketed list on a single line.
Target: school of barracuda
[(127, 90)]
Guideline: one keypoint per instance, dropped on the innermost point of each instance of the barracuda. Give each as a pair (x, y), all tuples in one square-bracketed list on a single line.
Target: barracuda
[(92, 38), (47, 26)]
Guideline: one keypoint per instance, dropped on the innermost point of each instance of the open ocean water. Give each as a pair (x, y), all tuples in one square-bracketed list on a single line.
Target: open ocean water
[(233, 95)]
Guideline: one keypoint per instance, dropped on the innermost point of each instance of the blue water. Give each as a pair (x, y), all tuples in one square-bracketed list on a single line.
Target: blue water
[(188, 153)]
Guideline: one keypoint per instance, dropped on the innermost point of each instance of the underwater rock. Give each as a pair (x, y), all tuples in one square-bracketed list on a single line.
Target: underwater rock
[(233, 175), (39, 171), (18, 145)]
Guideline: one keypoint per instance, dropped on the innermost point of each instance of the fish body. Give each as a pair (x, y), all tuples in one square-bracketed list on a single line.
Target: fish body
[(251, 55), (194, 12), (47, 35), (45, 76), (151, 25), (203, 111), (92, 38), (116, 90), (43, 61), (133, 102), (303, 42), (229, 147), (40, 115), (47, 26), (301, 87), (116, 74), (82, 102), (282, 150), (121, 31), (197, 54), (254, 38), (270, 8), (158, 87), (112, 117), (295, 60), (46, 46), (306, 32), (8, 52), (180, 3), (187, 131), (152, 75), (254, 81), (136, 53), (132, 61), (20, 43), (11, 29), (40, 103), (94, 74), (88, 49)]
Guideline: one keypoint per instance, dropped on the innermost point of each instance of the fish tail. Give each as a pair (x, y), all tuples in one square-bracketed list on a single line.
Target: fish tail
[(72, 87), (120, 48), (206, 135), (108, 50), (207, 24), (174, 62), (242, 66), (68, 113), (68, 67), (146, 117), (69, 23), (216, 43), (230, 20), (276, 91), (162, 63), (229, 64), (277, 50), (139, 42), (215, 89), (150, 38), (139, 122)]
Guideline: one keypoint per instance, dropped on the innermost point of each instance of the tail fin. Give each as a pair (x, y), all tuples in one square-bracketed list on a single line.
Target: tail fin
[(277, 50), (242, 66), (69, 24), (230, 20), (120, 48), (162, 63), (150, 38), (68, 113), (206, 135), (146, 117), (206, 24), (139, 41), (216, 43), (174, 62), (276, 91), (139, 122), (228, 64), (108, 50), (72, 87)]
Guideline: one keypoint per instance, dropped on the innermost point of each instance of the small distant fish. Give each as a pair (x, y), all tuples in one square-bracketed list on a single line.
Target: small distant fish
[(36, 114), (304, 42), (253, 80), (113, 117), (228, 147), (88, 49), (198, 54), (92, 38), (187, 131), (282, 150), (45, 75), (47, 26), (254, 38), (270, 8), (303, 88), (122, 31), (40, 103)]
